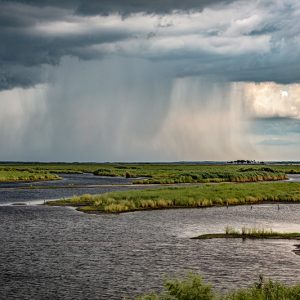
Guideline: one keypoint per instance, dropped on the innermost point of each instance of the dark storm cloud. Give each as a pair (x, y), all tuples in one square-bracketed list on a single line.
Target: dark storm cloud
[(125, 7), (235, 40), (23, 52), (12, 75), (134, 6), (253, 68)]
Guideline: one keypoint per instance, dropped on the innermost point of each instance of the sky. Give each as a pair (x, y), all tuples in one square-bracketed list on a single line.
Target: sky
[(140, 80)]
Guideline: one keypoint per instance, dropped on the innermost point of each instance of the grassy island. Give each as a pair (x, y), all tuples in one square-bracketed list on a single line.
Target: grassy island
[(250, 233), (192, 287), (207, 195)]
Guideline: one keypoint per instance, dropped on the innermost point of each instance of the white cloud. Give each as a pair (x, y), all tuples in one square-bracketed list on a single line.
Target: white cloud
[(267, 100)]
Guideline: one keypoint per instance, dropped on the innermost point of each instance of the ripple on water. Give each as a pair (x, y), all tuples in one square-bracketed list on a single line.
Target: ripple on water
[(53, 252)]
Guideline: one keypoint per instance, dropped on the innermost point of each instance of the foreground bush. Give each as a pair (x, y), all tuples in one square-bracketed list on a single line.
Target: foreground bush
[(193, 288)]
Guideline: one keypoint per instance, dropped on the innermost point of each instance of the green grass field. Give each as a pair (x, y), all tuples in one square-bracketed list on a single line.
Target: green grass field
[(162, 173), (190, 196)]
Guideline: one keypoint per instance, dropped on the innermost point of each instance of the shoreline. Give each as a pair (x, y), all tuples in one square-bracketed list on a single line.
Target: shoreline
[(101, 212), (191, 196)]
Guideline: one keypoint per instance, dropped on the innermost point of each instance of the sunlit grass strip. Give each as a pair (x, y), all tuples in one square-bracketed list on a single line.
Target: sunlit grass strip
[(250, 233), (183, 197), (17, 175), (192, 287)]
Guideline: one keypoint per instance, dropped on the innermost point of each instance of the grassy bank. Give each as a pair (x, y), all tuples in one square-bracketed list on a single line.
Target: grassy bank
[(194, 288), (165, 173), (191, 196), (250, 233), (9, 175)]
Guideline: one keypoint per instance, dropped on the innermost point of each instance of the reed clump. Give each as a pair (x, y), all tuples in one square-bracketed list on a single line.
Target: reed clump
[(250, 233)]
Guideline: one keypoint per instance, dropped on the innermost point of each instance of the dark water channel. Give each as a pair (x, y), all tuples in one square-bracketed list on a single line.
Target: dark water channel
[(71, 184), (59, 253)]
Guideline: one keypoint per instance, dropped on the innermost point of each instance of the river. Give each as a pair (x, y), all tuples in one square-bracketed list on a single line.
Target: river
[(59, 253)]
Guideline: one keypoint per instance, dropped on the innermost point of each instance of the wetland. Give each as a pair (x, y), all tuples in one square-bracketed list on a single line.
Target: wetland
[(58, 252)]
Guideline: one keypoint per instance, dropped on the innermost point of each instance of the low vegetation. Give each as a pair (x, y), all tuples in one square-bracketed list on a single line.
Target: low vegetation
[(166, 173), (189, 196), (206, 177), (9, 175), (250, 233), (192, 287), (185, 173)]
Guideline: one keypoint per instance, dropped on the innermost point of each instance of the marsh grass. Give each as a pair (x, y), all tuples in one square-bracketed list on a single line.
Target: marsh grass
[(192, 287), (220, 176), (230, 230), (164, 173), (250, 233), (7, 175), (187, 197)]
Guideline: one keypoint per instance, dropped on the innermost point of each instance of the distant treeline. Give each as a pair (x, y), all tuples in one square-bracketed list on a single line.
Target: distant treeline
[(246, 162)]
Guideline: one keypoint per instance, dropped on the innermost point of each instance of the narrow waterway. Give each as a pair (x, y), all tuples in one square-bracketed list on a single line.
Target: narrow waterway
[(70, 185)]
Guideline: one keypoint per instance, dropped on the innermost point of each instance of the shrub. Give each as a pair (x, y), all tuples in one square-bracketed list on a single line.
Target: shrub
[(192, 287)]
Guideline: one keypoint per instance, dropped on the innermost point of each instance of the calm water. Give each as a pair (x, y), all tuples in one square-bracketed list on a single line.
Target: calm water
[(59, 253)]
